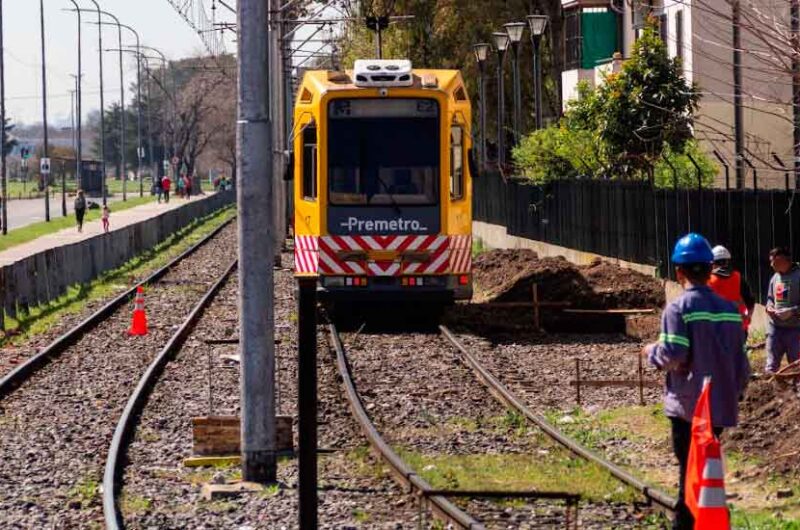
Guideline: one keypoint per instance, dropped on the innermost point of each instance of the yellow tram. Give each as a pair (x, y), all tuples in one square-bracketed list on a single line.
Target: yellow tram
[(382, 183)]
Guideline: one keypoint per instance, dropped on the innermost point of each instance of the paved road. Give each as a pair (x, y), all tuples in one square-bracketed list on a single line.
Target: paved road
[(27, 211)]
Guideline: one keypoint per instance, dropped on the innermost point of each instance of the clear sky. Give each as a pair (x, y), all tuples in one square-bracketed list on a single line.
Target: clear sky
[(157, 23)]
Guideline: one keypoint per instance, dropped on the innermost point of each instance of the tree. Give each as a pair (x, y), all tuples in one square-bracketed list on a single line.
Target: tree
[(442, 33), (646, 108), (637, 125), (9, 142)]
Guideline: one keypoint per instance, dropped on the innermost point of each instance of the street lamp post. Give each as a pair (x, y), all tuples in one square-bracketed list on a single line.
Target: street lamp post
[(78, 154), (45, 151), (121, 104), (515, 31), (501, 44), (139, 154), (537, 24), (102, 104), (167, 95), (481, 54)]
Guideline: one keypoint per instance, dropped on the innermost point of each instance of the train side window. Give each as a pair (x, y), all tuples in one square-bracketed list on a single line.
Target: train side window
[(310, 163), (456, 162)]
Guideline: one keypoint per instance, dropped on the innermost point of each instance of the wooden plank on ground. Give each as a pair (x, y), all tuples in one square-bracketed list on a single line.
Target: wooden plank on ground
[(610, 311), (212, 461), (221, 435), (602, 383)]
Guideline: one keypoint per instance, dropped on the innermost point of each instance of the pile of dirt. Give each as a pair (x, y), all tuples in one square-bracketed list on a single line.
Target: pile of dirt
[(769, 428), (508, 276)]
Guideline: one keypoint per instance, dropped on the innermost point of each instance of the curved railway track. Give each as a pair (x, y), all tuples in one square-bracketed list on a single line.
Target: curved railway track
[(127, 422), (441, 506), (503, 394), (439, 503), (58, 410)]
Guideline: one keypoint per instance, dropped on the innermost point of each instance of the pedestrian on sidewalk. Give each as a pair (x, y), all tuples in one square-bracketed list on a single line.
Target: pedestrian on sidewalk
[(783, 309), (105, 218), (165, 186), (80, 209), (158, 189), (701, 335), (187, 186), (731, 285), (180, 185)]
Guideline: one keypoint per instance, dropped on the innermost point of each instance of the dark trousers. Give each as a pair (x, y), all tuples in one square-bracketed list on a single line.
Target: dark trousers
[(166, 195), (681, 441), (79, 217)]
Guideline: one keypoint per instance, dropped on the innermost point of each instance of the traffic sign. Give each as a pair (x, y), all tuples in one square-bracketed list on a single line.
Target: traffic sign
[(44, 166)]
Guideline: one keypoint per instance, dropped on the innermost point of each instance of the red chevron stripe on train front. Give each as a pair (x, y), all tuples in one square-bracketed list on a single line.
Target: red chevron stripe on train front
[(332, 247)]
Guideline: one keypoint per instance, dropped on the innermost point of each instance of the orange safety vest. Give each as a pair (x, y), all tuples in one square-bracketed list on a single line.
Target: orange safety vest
[(730, 289)]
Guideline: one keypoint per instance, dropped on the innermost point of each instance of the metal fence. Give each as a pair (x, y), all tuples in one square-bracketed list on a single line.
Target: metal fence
[(634, 222)]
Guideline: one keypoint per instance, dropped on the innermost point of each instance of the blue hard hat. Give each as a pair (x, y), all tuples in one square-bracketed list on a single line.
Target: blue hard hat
[(692, 248)]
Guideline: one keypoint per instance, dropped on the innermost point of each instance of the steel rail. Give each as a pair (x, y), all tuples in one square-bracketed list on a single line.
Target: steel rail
[(400, 470), (21, 373), (126, 425), (504, 395)]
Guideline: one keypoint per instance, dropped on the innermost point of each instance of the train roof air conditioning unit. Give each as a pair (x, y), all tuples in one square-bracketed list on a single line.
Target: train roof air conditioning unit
[(383, 73)]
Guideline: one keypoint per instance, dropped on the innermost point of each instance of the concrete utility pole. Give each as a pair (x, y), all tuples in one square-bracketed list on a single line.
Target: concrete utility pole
[(256, 245), (277, 110), (795, 14), (45, 150), (3, 175)]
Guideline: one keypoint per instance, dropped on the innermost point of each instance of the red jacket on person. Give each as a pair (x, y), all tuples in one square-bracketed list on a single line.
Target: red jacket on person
[(166, 183)]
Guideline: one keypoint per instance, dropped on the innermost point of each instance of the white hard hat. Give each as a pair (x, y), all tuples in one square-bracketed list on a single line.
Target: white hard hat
[(721, 253)]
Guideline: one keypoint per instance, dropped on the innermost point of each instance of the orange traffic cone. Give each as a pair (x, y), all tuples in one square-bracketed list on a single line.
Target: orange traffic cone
[(705, 477), (139, 323)]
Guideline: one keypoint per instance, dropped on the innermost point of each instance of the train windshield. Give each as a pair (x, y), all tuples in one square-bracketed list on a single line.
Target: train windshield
[(383, 152)]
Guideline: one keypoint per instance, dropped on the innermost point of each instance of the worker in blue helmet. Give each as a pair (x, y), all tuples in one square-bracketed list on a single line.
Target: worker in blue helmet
[(701, 335)]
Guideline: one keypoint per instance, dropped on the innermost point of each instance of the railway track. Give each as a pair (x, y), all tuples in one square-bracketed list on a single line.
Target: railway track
[(503, 394), (477, 513), (127, 422), (58, 410)]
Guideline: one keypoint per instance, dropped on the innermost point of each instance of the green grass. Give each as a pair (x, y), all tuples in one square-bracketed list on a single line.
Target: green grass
[(134, 504), (761, 521), (361, 515), (550, 471), (33, 231), (17, 188), (111, 283), (478, 247), (85, 491)]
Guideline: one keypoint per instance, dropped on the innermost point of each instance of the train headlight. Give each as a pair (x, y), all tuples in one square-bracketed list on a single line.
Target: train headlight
[(333, 281)]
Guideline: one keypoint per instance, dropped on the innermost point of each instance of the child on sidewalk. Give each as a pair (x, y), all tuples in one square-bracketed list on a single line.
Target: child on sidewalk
[(106, 215)]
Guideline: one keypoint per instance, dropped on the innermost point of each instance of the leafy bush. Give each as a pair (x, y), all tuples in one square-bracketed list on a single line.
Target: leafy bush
[(625, 128)]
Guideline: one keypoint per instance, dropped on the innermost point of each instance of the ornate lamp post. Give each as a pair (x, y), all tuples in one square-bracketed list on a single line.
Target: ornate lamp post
[(481, 54), (537, 24), (515, 32), (501, 42)]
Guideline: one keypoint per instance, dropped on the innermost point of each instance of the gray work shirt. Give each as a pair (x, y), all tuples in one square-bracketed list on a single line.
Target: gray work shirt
[(784, 292)]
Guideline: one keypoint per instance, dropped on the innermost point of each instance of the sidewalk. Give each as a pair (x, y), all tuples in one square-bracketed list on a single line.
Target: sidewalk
[(90, 229)]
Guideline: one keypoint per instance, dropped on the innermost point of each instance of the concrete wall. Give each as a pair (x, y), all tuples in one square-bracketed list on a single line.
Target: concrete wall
[(496, 236), (45, 276)]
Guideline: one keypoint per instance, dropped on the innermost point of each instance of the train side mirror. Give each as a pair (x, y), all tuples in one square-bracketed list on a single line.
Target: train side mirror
[(288, 176), (473, 164)]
